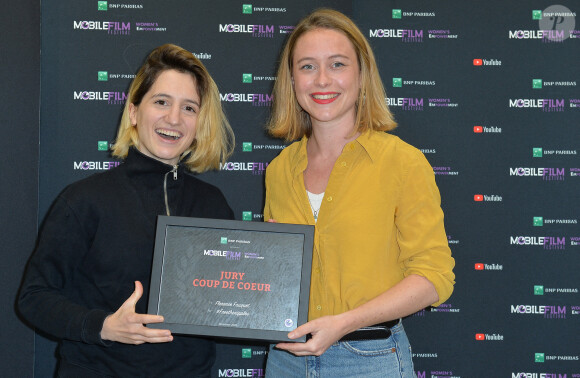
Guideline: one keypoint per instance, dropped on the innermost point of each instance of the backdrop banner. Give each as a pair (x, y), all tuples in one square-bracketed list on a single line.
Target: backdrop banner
[(488, 92)]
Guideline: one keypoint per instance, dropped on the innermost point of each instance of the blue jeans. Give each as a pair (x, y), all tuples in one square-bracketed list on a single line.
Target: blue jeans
[(383, 358)]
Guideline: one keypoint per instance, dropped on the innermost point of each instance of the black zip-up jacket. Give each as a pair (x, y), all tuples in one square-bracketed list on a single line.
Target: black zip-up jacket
[(96, 241)]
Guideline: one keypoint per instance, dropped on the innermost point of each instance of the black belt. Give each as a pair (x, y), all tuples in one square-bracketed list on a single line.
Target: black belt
[(377, 331)]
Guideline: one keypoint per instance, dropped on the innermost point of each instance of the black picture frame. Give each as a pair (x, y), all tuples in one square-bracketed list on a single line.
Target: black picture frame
[(232, 279)]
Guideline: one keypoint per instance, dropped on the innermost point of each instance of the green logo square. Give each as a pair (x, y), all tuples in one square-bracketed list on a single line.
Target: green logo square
[(397, 13), (103, 145), (537, 152), (102, 5), (538, 290), (537, 83), (397, 82), (246, 78), (246, 353), (247, 215), (539, 357), (247, 8), (247, 147), (224, 240), (538, 221), (536, 14), (103, 76)]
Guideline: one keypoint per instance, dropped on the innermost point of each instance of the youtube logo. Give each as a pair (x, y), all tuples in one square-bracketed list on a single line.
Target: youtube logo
[(478, 197), (479, 336), (477, 129), (478, 62), (479, 266)]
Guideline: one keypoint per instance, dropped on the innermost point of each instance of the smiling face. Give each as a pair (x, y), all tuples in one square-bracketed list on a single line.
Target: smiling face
[(166, 118), (326, 77)]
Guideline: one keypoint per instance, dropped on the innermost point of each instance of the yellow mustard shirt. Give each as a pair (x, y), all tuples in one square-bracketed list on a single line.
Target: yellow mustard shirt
[(380, 221)]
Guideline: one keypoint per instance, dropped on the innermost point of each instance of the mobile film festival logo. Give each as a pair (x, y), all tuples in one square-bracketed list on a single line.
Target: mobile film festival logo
[(111, 27), (556, 23), (547, 174), (255, 99), (547, 311), (255, 168), (256, 31), (241, 372), (552, 243), (112, 98)]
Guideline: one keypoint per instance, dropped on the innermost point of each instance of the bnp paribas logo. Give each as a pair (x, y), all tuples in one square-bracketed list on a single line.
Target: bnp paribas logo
[(224, 240), (538, 221), (103, 145), (537, 152), (397, 13), (246, 352), (247, 78), (397, 82), (247, 147), (103, 76), (247, 215), (536, 14), (539, 357), (538, 290), (247, 8), (537, 83), (102, 5)]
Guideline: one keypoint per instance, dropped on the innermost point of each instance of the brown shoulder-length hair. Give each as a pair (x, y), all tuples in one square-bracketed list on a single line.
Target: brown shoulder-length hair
[(214, 138), (289, 121)]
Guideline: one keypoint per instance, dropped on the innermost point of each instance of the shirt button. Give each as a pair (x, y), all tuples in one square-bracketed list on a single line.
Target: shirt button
[(329, 199), (319, 307), (343, 163), (316, 270)]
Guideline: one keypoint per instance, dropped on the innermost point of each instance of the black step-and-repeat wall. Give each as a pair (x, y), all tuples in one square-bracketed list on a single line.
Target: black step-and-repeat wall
[(488, 92)]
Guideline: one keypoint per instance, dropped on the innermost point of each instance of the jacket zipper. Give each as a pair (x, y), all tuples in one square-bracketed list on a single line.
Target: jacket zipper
[(174, 171)]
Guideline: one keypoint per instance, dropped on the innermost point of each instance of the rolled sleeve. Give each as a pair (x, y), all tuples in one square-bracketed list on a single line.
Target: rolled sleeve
[(421, 233)]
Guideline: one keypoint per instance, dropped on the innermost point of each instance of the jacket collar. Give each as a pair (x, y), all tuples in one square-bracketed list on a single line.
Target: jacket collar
[(138, 163)]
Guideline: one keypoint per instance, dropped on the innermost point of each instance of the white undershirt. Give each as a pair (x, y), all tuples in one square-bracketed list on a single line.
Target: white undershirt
[(315, 202)]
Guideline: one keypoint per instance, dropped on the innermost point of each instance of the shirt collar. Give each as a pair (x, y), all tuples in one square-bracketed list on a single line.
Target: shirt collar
[(367, 141)]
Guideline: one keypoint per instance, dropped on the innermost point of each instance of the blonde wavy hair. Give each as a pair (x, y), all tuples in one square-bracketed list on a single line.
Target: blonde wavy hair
[(214, 138), (289, 121)]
